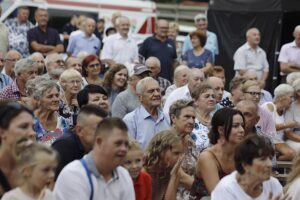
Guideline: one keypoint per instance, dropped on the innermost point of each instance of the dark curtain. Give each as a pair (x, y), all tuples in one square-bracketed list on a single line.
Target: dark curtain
[(231, 28)]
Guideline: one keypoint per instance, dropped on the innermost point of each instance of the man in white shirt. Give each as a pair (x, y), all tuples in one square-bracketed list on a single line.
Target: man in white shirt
[(120, 47), (251, 56), (98, 175), (195, 76), (289, 56)]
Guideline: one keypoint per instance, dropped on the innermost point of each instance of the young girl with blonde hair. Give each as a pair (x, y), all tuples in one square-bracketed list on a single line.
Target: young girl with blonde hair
[(36, 164)]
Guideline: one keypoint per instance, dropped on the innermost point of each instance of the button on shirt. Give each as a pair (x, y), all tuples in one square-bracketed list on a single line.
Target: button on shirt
[(73, 183), (247, 58), (80, 42), (142, 127), (121, 50)]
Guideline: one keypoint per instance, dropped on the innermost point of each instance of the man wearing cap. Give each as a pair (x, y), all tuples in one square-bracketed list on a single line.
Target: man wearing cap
[(147, 120), (211, 42), (153, 65), (128, 100)]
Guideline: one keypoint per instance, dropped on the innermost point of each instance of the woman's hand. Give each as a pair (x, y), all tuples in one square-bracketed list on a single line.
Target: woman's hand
[(279, 197), (291, 124)]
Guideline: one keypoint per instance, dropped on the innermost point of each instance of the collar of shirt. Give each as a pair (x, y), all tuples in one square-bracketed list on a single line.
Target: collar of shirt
[(92, 167), (249, 48), (120, 37), (186, 91), (294, 44), (145, 114)]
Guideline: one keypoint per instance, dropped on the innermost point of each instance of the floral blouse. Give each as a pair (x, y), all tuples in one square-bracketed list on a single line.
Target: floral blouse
[(200, 135), (48, 137)]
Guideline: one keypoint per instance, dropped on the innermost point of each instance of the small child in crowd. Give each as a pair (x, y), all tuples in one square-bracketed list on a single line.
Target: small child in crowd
[(36, 164), (134, 164)]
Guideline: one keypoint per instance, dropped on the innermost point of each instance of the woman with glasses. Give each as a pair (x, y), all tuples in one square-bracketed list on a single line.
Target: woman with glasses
[(283, 97), (227, 130), (16, 121), (70, 81), (252, 176), (91, 69), (115, 81)]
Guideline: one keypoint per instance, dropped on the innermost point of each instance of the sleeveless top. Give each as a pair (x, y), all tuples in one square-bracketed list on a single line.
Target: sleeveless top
[(198, 189)]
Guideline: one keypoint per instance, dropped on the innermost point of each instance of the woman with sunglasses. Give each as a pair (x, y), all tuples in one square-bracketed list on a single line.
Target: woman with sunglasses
[(16, 121), (91, 69), (252, 178)]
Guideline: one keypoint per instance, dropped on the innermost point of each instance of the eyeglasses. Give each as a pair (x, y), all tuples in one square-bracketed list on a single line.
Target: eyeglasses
[(255, 93), (94, 65)]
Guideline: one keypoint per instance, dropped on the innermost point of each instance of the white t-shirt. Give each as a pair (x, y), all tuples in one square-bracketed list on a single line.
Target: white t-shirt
[(18, 194), (229, 189)]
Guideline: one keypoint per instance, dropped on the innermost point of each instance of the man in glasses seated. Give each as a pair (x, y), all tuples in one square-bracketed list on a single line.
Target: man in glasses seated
[(55, 66)]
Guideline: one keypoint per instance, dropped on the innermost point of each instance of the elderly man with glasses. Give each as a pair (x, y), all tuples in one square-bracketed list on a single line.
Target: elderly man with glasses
[(55, 66)]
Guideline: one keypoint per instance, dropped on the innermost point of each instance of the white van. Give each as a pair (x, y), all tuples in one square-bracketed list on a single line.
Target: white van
[(142, 14)]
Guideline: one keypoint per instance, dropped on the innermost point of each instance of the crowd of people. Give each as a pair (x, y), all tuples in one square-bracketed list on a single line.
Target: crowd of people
[(92, 115)]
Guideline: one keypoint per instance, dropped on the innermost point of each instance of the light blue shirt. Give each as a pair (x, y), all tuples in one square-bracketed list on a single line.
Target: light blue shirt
[(5, 81), (80, 42), (211, 44), (143, 127)]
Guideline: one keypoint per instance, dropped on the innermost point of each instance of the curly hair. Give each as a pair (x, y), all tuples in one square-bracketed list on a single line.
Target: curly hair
[(109, 77), (160, 143)]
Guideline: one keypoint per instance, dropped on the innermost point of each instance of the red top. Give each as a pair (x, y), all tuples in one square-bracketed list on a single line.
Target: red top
[(143, 187)]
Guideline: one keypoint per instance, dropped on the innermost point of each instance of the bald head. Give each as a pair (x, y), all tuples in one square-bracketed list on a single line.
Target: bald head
[(297, 35), (218, 87), (250, 112), (195, 76)]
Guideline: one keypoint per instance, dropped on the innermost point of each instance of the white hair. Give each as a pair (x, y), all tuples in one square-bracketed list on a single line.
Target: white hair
[(140, 87), (152, 58), (24, 64), (179, 69), (296, 85), (291, 77), (250, 30), (283, 90)]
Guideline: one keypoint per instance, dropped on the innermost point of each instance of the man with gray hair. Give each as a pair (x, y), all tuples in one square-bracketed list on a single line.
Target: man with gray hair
[(195, 76), (153, 65), (120, 47), (25, 70), (147, 119), (11, 58), (211, 42), (55, 65), (251, 56), (289, 55), (39, 58), (85, 41)]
